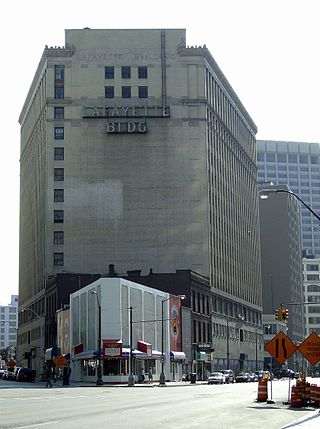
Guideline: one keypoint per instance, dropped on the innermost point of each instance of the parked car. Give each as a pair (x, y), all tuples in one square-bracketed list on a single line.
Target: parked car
[(253, 376), (259, 374), (229, 374), (25, 374), (216, 378), (7, 375), (243, 377), (2, 372)]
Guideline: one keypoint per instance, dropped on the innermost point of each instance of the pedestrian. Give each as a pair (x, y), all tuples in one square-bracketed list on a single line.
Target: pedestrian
[(150, 376), (48, 376), (66, 375)]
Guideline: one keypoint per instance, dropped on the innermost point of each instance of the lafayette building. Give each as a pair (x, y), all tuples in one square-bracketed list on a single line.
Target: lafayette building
[(136, 150)]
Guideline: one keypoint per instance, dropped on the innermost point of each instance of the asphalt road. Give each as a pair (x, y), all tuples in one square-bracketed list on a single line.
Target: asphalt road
[(176, 406)]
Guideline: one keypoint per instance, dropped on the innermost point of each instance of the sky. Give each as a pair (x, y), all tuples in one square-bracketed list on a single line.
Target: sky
[(267, 49)]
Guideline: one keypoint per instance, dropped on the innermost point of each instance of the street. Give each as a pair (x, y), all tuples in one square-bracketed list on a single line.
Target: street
[(175, 406)]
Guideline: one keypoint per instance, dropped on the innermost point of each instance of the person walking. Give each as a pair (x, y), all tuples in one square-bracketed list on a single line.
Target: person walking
[(48, 375), (150, 376)]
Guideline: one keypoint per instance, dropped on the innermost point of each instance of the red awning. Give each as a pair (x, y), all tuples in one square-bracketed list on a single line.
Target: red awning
[(144, 347)]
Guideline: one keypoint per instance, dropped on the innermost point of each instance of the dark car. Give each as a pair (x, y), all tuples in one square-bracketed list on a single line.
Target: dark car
[(25, 374), (229, 374)]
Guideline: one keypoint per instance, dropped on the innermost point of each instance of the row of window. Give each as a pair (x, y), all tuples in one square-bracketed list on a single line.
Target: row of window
[(58, 194), (291, 158), (109, 72), (109, 92)]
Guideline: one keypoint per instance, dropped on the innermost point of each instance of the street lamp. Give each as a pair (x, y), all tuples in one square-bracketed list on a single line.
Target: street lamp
[(131, 378), (162, 375), (99, 381), (264, 194)]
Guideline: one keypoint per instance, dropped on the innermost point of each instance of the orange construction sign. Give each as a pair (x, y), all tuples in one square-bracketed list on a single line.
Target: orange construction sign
[(310, 348), (281, 347), (60, 361)]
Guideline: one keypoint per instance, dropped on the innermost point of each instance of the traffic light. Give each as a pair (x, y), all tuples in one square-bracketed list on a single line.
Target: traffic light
[(278, 314), (174, 326)]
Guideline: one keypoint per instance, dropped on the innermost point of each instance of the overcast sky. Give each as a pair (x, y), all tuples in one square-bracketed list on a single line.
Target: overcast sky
[(267, 49)]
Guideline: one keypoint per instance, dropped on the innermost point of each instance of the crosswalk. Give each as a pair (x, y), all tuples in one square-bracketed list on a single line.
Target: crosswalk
[(51, 397)]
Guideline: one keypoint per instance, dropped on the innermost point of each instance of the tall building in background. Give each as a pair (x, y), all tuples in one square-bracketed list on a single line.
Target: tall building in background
[(9, 323), (136, 151), (282, 280), (298, 166)]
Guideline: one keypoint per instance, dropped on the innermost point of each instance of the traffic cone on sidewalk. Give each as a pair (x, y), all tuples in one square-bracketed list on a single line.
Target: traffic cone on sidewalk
[(262, 390)]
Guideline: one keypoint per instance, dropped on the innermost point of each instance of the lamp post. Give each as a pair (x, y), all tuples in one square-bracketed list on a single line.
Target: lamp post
[(99, 381), (162, 375), (228, 345), (264, 194), (131, 378)]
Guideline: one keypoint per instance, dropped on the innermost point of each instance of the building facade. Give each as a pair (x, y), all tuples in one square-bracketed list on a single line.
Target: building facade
[(9, 325), (298, 166), (153, 317), (135, 150), (282, 281)]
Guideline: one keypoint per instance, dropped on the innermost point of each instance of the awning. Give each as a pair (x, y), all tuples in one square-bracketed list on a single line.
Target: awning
[(136, 353), (67, 356), (87, 354), (177, 356), (144, 347), (156, 354)]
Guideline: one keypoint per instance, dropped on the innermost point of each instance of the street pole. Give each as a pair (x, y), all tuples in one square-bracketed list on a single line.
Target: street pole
[(162, 376), (99, 381), (228, 346), (256, 350), (131, 378)]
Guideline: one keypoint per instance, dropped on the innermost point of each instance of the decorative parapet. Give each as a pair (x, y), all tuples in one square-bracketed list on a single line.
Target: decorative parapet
[(58, 51)]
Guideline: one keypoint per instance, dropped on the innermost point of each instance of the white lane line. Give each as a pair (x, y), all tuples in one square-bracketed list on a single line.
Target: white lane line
[(35, 425)]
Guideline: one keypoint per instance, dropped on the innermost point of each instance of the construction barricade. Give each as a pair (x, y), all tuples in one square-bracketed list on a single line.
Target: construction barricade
[(262, 390)]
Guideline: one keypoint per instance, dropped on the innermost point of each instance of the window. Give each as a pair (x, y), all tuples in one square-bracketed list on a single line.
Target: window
[(260, 156), (58, 237), (58, 73), (313, 288), (126, 72), (303, 159), (282, 157), (58, 259), (59, 195), (58, 216), (312, 267), (109, 92), (109, 72), (312, 277), (59, 113), (292, 158), (58, 174), (58, 133), (314, 298), (126, 92), (271, 157), (142, 72), (143, 92), (58, 153), (59, 92)]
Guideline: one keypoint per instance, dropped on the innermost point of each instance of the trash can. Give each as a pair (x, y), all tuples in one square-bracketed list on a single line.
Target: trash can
[(193, 377)]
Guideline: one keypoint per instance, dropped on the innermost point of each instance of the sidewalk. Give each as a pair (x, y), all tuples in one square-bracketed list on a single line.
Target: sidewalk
[(312, 421)]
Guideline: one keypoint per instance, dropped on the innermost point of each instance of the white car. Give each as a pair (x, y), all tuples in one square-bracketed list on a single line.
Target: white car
[(216, 378)]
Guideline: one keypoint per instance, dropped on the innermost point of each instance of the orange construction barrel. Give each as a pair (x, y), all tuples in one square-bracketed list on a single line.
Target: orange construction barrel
[(296, 399), (262, 390)]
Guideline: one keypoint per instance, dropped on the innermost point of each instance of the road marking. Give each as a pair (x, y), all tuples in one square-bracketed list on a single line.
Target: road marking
[(34, 425)]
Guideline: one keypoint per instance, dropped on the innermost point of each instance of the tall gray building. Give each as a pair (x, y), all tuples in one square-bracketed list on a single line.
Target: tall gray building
[(298, 166), (136, 151), (281, 264)]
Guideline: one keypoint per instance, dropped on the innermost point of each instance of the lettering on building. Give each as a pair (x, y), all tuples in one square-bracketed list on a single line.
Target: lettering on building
[(126, 127), (96, 112)]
